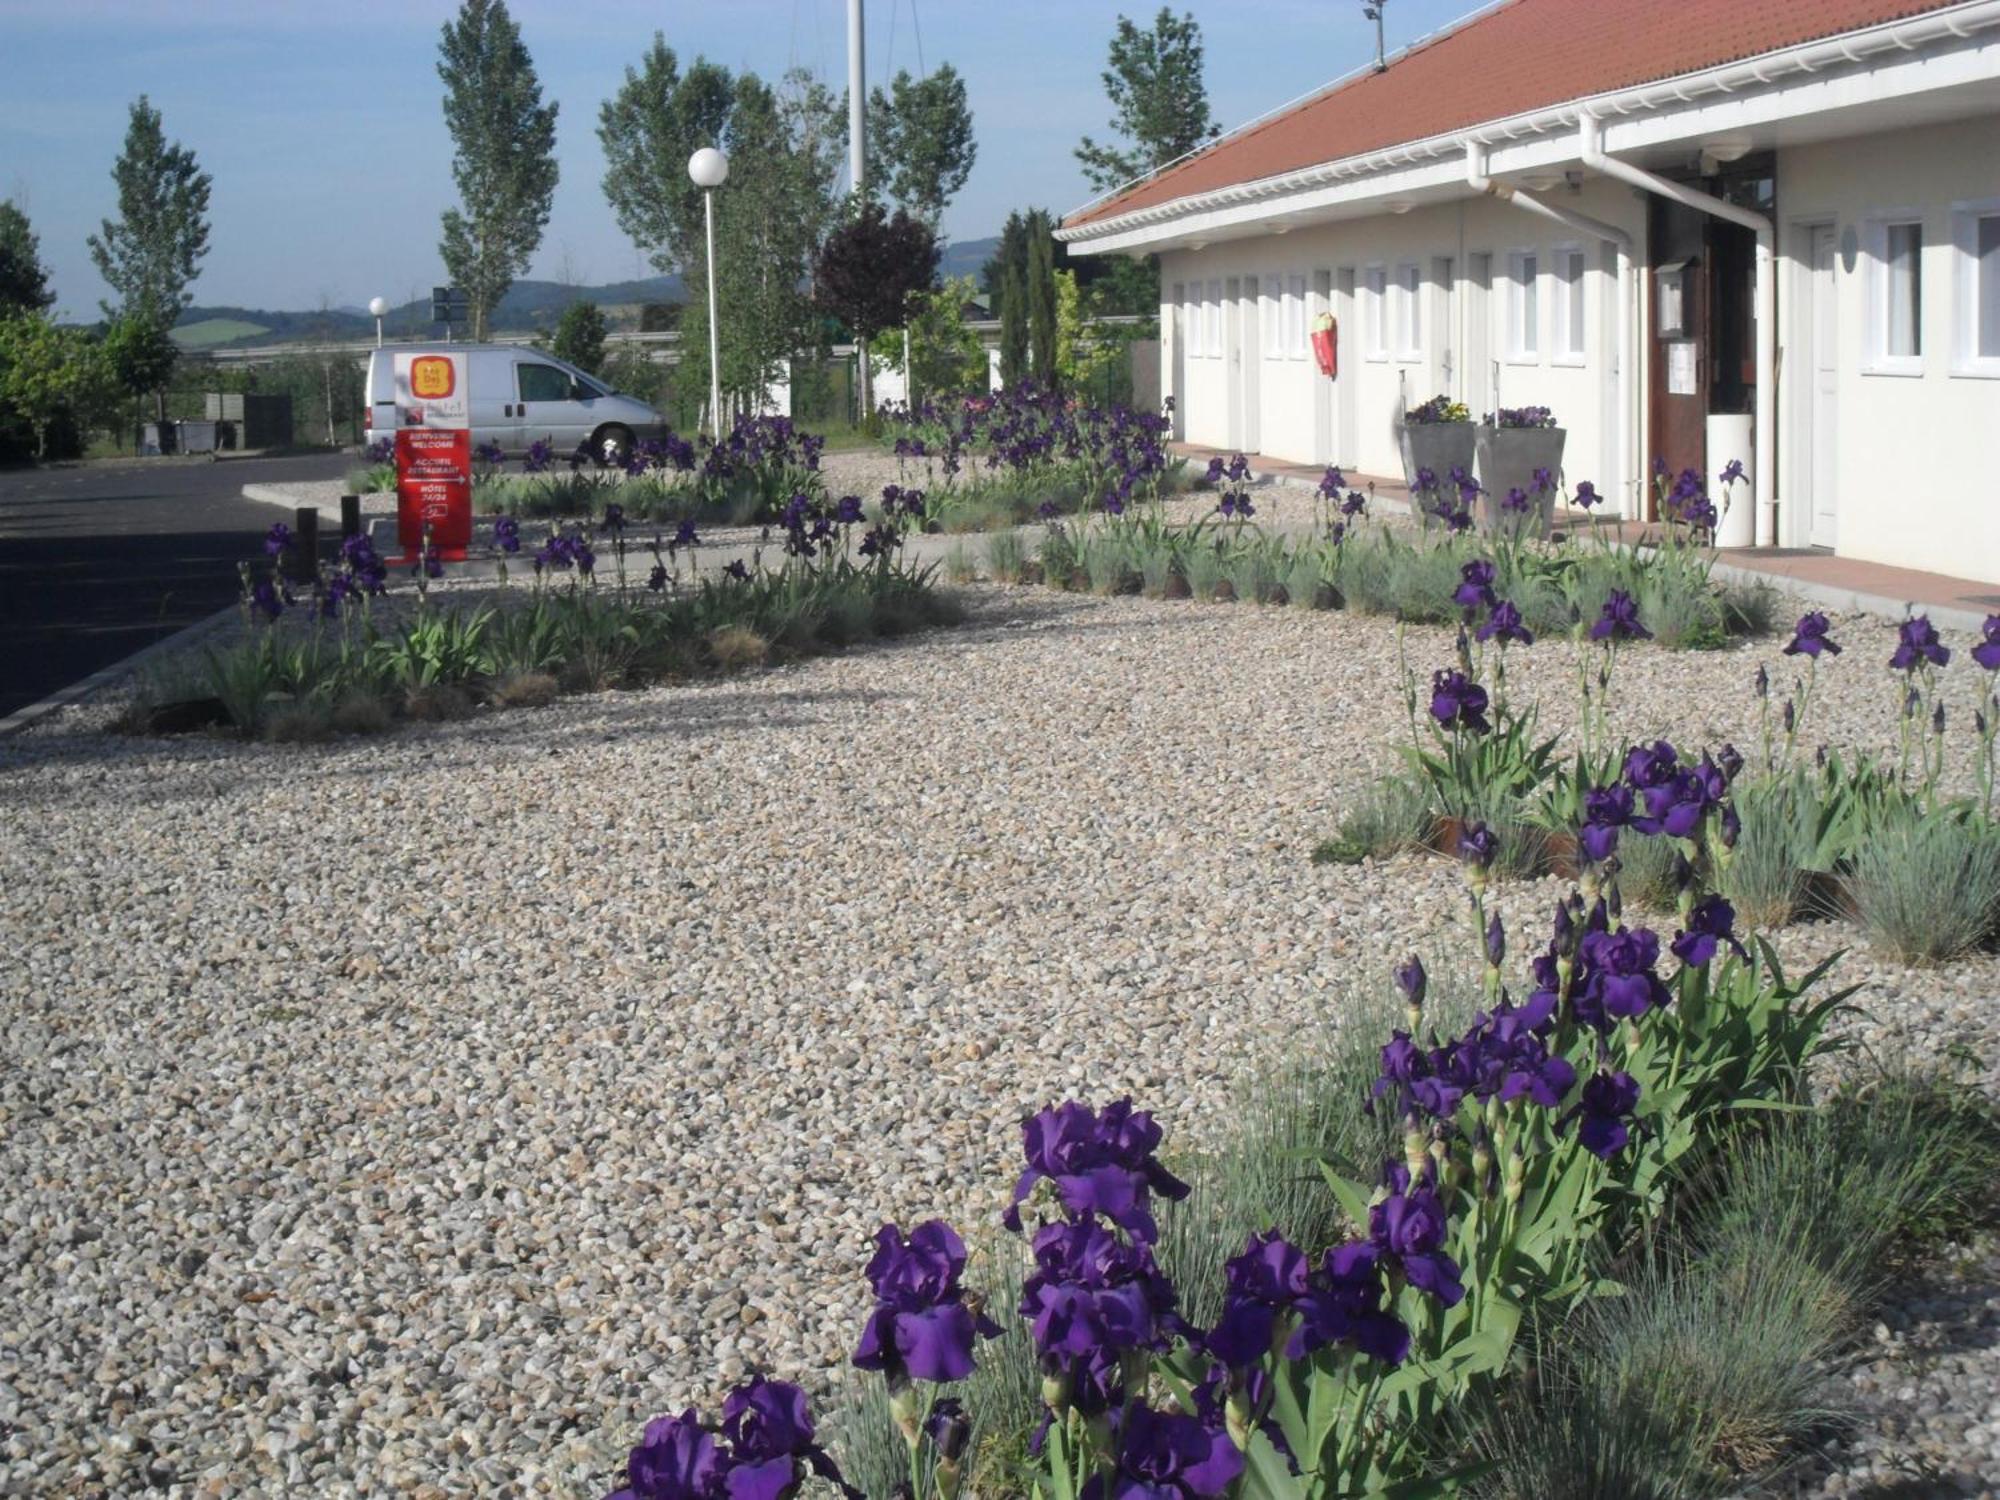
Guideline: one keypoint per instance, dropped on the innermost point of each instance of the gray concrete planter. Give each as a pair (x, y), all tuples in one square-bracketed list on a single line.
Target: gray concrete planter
[(1508, 458), (1437, 446)]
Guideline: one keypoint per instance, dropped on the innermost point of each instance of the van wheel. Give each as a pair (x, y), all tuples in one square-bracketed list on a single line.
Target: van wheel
[(612, 446)]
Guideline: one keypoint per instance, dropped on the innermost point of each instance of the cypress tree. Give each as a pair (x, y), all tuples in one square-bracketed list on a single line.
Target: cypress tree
[(1041, 298)]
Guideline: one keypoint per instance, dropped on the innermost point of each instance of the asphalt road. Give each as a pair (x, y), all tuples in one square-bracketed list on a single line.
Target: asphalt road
[(97, 560)]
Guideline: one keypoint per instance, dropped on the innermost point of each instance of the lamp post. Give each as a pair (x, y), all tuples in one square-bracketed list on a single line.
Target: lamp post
[(710, 169), (378, 306)]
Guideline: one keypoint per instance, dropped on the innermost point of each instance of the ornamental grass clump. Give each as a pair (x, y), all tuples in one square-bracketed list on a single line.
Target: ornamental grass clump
[(1925, 882), (1390, 815)]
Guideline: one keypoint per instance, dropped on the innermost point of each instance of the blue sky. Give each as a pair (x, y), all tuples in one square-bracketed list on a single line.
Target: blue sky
[(320, 122)]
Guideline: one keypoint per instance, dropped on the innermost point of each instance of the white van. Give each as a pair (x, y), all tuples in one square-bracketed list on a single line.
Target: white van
[(520, 396)]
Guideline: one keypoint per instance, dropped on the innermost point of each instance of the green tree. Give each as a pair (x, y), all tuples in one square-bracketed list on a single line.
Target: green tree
[(151, 254), (769, 216), (921, 135), (1005, 277), (945, 352), (504, 162), (1159, 102), (1041, 297), (48, 373), (579, 337), (24, 281)]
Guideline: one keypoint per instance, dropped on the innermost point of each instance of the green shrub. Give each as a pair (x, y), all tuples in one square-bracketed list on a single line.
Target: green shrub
[(1253, 574), (1646, 872), (1106, 559), (958, 564), (1391, 814), (1926, 883), (1006, 556), (1157, 561), (1204, 568), (1769, 875)]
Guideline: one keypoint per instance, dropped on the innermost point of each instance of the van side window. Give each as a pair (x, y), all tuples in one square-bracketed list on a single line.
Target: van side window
[(543, 383)]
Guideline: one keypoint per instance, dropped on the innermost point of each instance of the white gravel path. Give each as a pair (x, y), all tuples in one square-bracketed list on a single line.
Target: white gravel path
[(418, 1115)]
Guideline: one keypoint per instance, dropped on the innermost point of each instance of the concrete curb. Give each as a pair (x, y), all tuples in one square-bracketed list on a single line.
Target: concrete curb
[(34, 713), (270, 494)]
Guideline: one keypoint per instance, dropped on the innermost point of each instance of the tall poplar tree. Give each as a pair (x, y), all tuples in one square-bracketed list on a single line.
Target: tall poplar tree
[(920, 136), (150, 255), (504, 160), (1159, 100), (24, 280), (1041, 298)]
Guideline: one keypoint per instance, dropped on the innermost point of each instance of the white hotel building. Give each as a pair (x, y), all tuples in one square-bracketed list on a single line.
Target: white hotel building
[(1699, 230)]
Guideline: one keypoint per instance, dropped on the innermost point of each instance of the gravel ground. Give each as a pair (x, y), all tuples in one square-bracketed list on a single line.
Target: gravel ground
[(418, 1115)]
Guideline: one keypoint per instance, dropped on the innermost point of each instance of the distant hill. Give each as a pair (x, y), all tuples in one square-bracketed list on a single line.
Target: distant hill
[(528, 307)]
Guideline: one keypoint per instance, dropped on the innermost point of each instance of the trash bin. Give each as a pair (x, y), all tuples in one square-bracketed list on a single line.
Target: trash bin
[(196, 437)]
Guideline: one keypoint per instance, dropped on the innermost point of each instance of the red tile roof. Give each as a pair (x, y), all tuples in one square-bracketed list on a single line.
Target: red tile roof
[(1524, 55)]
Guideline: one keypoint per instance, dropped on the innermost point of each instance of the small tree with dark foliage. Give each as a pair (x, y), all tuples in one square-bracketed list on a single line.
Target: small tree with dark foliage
[(867, 269)]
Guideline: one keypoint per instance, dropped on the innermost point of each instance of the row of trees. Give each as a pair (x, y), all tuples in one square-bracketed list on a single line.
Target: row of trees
[(57, 382)]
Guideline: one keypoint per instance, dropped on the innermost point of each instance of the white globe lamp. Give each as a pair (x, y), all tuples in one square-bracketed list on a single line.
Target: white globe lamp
[(377, 306), (710, 169)]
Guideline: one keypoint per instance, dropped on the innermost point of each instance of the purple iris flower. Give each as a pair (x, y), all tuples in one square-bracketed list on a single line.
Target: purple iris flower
[(770, 1432), (507, 534), (1515, 501), (1457, 702), (614, 517), (1411, 980), (1504, 625), (1168, 1456), (1987, 652), (684, 536), (1619, 620), (268, 600), (1259, 1285), (1810, 638), (949, 1429), (1606, 1109), (1355, 504), (1094, 1299), (921, 1328), (1332, 482), (1732, 471), (677, 1459), (1615, 977), (738, 571), (1216, 469), (1606, 809), (1407, 1228), (1343, 1304), (1711, 924), (1544, 481), (657, 579), (1916, 643), (541, 453), (1100, 1163), (848, 511), (1586, 495), (1239, 467), (277, 540), (1478, 845), (1475, 586)]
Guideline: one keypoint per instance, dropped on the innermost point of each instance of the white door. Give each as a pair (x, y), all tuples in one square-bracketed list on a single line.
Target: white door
[(1181, 331), (1347, 426), (1477, 383), (1322, 302), (1232, 360), (1252, 365), (1822, 321)]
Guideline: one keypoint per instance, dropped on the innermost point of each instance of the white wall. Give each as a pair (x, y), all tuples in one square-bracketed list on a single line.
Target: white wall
[(1289, 387), (1914, 454)]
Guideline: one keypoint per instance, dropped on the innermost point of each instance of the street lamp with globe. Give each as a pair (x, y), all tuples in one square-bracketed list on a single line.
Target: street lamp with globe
[(710, 169), (377, 306)]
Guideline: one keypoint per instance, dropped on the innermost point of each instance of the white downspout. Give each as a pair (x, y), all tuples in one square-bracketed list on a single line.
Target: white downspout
[(1627, 481), (1765, 294)]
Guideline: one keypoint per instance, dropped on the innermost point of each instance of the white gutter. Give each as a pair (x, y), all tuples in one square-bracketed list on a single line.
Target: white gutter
[(1628, 481), (1763, 472), (1854, 48)]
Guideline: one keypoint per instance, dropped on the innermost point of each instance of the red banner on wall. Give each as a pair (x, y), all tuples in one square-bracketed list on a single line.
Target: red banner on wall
[(434, 487)]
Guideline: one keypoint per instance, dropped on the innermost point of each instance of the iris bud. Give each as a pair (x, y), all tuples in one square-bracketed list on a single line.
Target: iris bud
[(1763, 686), (1496, 942), (1517, 1176), (1056, 1390), (1415, 1154), (1791, 718), (1937, 719), (906, 1405)]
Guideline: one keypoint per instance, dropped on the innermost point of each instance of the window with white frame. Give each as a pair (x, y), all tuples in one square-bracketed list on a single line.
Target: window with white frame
[(1570, 320), (1211, 316), (1378, 312), (1295, 317), (1409, 311), (1896, 296), (1975, 237), (1524, 307)]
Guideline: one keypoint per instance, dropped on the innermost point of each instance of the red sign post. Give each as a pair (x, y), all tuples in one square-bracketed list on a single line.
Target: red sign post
[(434, 488), (433, 455)]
